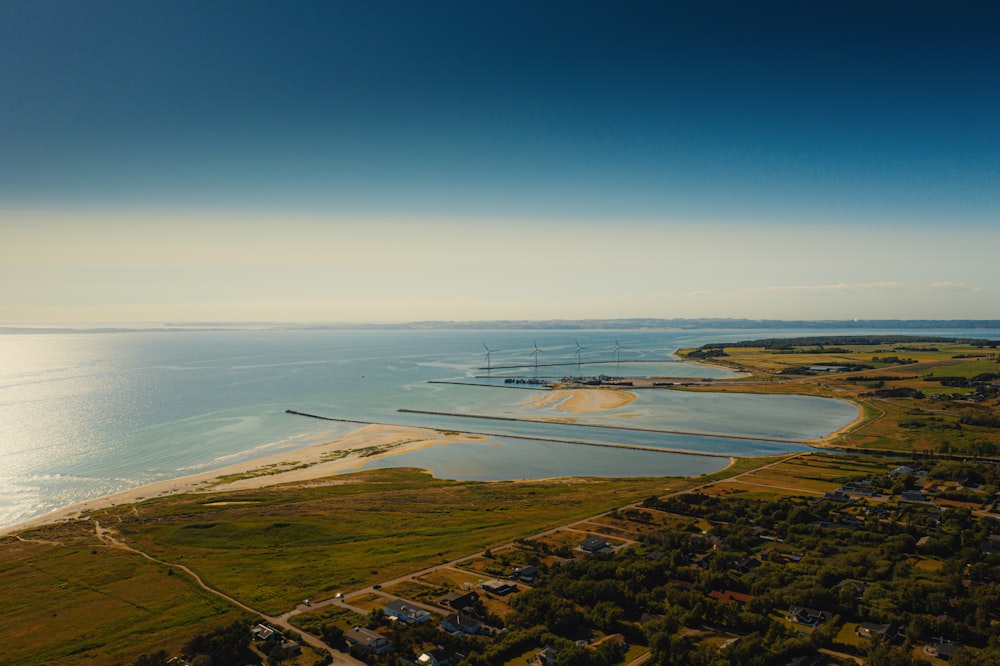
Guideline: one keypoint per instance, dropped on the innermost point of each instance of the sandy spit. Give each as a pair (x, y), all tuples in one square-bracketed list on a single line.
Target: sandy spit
[(309, 464)]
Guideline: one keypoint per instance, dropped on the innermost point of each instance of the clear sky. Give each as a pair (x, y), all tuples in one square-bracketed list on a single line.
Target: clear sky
[(393, 161)]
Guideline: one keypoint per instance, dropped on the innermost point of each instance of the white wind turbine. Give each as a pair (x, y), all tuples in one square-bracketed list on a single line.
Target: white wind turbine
[(489, 351), (535, 353), (578, 350)]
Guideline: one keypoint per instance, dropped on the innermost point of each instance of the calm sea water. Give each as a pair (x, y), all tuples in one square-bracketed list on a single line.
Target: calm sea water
[(84, 415)]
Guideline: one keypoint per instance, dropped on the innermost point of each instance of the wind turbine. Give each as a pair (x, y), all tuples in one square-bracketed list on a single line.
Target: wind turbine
[(535, 354), (578, 350), (618, 351), (488, 352)]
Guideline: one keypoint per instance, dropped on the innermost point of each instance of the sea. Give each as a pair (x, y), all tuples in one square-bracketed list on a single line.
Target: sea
[(86, 414)]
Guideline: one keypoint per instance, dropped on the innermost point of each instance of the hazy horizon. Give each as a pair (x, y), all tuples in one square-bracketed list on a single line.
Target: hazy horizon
[(393, 162)]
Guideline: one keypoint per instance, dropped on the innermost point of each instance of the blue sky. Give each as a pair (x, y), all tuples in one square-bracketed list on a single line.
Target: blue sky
[(455, 160)]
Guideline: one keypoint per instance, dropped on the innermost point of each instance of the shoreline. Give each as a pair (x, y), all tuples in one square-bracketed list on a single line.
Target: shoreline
[(342, 454), (346, 453)]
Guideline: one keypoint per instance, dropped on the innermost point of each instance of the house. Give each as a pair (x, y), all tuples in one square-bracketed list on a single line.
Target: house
[(526, 574), (942, 649), (403, 611), (546, 656), (458, 623), (460, 600), (745, 564), (441, 656), (810, 617), (368, 640), (913, 496), (901, 470), (594, 544), (835, 496), (864, 488), (262, 632), (872, 630), (498, 587), (729, 597)]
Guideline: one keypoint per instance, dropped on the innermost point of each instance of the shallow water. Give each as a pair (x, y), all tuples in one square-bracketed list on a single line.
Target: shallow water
[(84, 415)]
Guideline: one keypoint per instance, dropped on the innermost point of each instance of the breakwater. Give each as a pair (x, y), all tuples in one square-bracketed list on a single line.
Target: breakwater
[(686, 433), (557, 440)]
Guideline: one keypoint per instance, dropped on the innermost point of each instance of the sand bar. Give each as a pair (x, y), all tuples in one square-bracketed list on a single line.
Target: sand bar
[(584, 401)]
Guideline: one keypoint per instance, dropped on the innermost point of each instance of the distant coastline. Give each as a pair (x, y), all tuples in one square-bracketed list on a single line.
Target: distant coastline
[(707, 323)]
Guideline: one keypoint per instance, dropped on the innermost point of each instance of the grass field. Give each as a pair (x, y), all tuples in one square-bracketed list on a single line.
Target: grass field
[(314, 541), (68, 599)]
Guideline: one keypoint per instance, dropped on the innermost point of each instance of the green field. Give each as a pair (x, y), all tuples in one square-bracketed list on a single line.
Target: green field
[(68, 599)]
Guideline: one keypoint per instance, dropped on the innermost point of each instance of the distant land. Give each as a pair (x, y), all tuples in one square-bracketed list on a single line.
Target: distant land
[(527, 324)]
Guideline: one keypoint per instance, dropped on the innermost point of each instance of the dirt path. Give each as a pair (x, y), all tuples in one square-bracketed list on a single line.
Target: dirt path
[(109, 537)]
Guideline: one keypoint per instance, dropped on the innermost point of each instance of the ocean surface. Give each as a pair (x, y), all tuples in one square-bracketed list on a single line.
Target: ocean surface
[(87, 414)]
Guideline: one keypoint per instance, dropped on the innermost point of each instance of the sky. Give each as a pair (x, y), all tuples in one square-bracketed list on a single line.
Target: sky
[(405, 161)]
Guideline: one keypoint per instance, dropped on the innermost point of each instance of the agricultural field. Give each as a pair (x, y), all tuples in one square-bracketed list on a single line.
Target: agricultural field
[(915, 395)]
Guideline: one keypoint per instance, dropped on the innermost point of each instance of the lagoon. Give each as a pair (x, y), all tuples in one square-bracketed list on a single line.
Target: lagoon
[(83, 415)]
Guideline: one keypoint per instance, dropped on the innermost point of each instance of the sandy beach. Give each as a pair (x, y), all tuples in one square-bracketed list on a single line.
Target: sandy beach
[(320, 461), (336, 456), (309, 464)]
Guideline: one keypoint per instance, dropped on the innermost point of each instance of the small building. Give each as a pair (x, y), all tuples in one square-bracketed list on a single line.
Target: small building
[(942, 649), (403, 611), (835, 496), (913, 496), (460, 600), (263, 632), (458, 623), (498, 587), (595, 544), (809, 617), (872, 630), (745, 564), (546, 656), (526, 574), (368, 640), (441, 656)]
